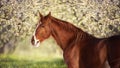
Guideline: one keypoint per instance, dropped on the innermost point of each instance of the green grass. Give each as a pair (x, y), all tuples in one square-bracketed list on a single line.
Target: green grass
[(11, 62), (27, 56)]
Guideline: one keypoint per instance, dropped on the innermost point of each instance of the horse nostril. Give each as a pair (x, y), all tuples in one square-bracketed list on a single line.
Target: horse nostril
[(37, 41)]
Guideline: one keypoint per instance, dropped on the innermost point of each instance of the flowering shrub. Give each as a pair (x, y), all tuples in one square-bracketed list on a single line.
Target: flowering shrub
[(100, 18)]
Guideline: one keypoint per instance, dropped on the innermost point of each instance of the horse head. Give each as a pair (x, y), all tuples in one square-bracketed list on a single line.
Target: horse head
[(42, 30)]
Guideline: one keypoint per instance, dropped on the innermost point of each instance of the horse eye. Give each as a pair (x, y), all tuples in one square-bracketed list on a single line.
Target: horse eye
[(42, 25)]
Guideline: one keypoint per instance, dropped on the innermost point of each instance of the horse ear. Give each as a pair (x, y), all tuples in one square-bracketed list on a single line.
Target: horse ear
[(49, 14), (40, 15)]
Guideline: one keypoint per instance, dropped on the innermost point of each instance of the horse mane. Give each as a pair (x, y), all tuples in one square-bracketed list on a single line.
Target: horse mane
[(71, 28)]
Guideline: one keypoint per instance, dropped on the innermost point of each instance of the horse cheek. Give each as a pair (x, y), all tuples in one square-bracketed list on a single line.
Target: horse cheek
[(45, 33)]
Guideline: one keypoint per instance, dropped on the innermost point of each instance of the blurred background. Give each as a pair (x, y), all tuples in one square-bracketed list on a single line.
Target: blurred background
[(101, 18)]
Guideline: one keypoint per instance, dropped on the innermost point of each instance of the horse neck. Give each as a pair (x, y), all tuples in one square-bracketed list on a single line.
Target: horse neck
[(62, 37)]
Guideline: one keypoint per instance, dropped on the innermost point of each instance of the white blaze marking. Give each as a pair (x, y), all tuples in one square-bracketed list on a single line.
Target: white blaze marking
[(36, 41)]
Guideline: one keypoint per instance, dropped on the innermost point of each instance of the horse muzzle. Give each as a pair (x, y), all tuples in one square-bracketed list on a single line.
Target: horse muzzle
[(35, 42)]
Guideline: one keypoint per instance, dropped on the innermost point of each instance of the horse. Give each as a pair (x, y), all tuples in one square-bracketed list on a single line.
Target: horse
[(113, 49), (80, 49)]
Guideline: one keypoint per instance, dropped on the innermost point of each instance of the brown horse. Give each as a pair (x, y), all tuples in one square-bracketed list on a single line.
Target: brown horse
[(80, 49), (113, 44)]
